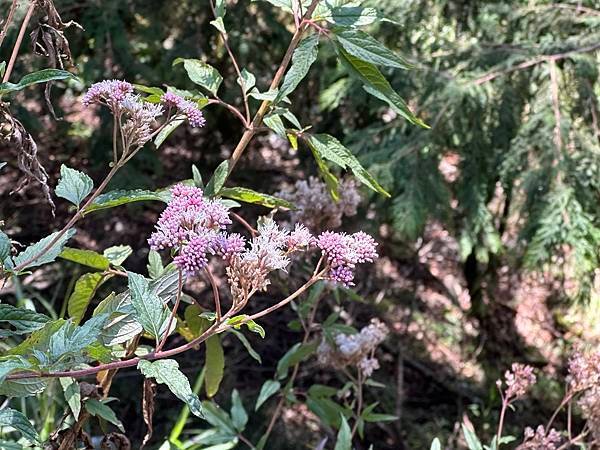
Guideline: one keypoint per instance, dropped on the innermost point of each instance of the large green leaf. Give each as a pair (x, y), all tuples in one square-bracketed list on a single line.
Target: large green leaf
[(49, 256), (73, 185), (293, 356), (117, 254), (239, 416), (330, 149), (82, 294), (344, 437), (98, 409), (268, 389), (216, 182), (166, 131), (17, 420), (365, 47), (18, 388), (214, 364), (23, 320), (122, 197), (41, 76), (201, 73), (151, 312), (85, 257), (376, 84), (4, 246), (72, 393), (166, 371), (250, 196), (71, 339), (350, 16), (471, 438), (304, 56)]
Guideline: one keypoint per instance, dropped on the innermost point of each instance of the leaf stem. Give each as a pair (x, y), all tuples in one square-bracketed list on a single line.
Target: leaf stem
[(9, 18)]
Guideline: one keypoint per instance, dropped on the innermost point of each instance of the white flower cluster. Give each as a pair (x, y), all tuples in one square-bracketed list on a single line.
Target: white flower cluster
[(314, 206), (354, 349)]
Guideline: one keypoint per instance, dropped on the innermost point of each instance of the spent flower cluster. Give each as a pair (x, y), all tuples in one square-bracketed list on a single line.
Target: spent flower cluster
[(354, 349), (135, 116), (518, 381), (269, 251), (584, 370), (539, 439), (314, 206)]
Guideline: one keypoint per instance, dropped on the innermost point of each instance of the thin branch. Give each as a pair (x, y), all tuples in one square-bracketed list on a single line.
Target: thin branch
[(9, 18), (264, 106), (236, 66), (286, 300), (534, 61), (555, 105), (15, 52), (215, 328), (215, 290), (236, 112), (244, 223), (71, 222)]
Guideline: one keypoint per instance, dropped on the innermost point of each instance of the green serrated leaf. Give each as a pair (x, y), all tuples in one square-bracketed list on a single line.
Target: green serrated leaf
[(33, 250), (215, 184), (85, 257), (23, 320), (330, 149), (166, 371), (249, 196), (41, 76), (82, 294), (268, 389), (98, 409), (365, 47), (17, 420), (214, 364), (202, 74), (121, 197), (151, 312), (350, 16), (72, 393), (304, 56), (376, 85), (73, 185)]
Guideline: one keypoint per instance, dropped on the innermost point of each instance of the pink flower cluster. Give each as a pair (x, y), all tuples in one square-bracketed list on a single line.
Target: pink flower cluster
[(109, 92), (343, 251), (185, 107), (194, 227)]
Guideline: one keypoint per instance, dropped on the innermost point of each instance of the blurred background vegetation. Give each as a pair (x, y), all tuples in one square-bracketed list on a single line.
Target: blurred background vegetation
[(489, 241)]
